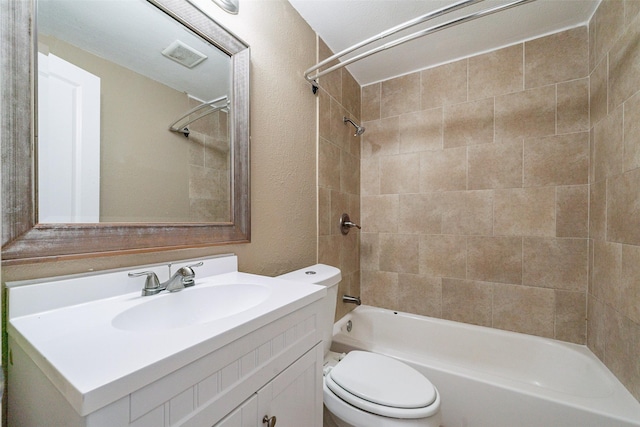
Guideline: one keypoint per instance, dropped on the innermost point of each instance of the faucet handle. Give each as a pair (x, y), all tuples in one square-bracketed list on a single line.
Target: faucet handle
[(151, 284), (189, 274)]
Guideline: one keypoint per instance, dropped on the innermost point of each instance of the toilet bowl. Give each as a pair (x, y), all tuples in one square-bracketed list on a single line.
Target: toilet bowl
[(364, 389)]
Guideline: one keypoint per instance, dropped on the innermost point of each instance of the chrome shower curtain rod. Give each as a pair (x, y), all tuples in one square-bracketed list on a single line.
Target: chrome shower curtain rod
[(181, 124), (408, 24)]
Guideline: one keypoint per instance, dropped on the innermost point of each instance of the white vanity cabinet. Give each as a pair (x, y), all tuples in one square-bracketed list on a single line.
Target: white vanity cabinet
[(291, 399), (227, 373), (278, 367)]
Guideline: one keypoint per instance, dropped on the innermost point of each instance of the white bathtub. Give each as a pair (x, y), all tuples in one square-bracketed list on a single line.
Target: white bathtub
[(494, 378)]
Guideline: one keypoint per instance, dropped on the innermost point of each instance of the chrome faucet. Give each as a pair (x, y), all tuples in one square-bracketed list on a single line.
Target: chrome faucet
[(351, 300), (183, 278)]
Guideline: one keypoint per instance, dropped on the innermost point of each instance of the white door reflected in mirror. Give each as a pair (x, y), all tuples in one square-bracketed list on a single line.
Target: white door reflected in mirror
[(68, 142)]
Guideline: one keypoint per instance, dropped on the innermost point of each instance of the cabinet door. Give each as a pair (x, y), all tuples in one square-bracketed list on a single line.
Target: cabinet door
[(245, 415), (294, 397)]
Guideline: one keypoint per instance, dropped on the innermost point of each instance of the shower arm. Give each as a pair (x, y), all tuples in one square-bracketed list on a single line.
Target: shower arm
[(421, 33), (359, 129)]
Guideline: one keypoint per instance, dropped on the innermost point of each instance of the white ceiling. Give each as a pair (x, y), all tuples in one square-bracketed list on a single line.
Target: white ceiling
[(133, 33), (343, 23)]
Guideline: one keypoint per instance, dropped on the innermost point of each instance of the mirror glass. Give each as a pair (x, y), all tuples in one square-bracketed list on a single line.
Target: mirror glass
[(134, 114)]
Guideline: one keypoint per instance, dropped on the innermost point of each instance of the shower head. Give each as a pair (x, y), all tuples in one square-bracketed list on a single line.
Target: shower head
[(359, 129)]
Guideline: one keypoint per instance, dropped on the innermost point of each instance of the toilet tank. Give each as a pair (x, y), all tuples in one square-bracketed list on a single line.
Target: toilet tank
[(324, 275)]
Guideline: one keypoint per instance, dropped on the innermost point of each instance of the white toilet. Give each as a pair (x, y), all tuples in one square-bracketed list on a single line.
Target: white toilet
[(364, 389)]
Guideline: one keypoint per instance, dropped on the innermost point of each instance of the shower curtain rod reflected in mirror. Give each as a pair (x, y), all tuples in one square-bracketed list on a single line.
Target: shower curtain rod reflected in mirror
[(201, 110), (408, 24)]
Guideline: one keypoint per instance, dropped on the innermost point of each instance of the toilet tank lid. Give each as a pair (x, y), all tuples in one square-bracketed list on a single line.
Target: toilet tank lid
[(319, 274)]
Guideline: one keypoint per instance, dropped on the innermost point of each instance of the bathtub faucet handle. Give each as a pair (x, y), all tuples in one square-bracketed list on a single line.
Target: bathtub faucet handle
[(346, 224), (351, 300)]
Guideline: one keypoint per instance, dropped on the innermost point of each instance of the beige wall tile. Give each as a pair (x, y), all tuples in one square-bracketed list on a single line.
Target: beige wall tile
[(324, 211), (495, 166), (624, 67), (622, 349), (496, 73), (598, 82), (350, 253), (557, 160), (381, 138), (328, 165), (399, 252), (351, 94), (370, 175), (343, 288), (524, 309), (340, 132), (324, 115), (380, 289), (369, 251), (556, 58), (527, 114), (400, 95), (329, 249), (596, 334), (607, 270), (380, 213), (371, 102), (467, 301), (573, 106), (443, 170), (332, 82), (631, 11), (623, 208), (444, 85), (592, 155), (443, 255), (609, 24), (572, 211), (420, 294), (494, 259), (468, 123), (467, 212), (525, 212), (630, 282), (632, 133), (571, 317), (598, 210), (592, 44), (349, 173), (421, 213), (400, 174), (555, 263), (590, 279), (421, 131), (200, 179), (340, 203)]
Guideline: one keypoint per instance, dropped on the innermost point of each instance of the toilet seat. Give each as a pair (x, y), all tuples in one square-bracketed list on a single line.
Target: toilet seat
[(384, 386)]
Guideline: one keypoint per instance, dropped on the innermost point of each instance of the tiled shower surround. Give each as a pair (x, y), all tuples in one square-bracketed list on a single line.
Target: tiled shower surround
[(339, 178), (613, 326), (504, 189), (475, 187)]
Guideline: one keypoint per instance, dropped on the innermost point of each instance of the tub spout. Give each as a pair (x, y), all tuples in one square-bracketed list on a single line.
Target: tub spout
[(351, 300)]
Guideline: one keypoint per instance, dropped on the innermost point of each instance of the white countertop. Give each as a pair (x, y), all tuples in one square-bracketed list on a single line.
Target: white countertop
[(93, 363)]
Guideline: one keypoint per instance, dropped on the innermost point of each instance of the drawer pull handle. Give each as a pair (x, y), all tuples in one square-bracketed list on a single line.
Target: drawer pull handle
[(269, 421)]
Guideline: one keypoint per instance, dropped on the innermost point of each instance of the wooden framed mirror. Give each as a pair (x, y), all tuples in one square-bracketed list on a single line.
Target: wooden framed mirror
[(26, 239)]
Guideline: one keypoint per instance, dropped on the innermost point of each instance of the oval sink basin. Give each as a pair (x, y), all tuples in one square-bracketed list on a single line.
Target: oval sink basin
[(192, 306)]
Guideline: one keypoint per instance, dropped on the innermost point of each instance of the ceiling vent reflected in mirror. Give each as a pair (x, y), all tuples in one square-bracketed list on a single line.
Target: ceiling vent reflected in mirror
[(184, 54)]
